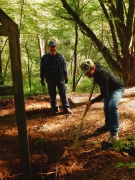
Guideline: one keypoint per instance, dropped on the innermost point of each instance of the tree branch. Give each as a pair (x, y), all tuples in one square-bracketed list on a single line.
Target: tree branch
[(120, 28), (103, 49), (111, 28)]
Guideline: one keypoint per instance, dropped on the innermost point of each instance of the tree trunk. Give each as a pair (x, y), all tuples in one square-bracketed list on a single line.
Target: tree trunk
[(1, 73), (29, 69), (1, 76), (122, 60), (75, 57)]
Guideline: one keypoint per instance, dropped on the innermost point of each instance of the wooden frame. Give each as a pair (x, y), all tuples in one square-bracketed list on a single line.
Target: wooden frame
[(9, 28)]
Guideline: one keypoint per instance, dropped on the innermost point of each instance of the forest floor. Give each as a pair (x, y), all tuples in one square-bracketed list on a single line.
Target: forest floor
[(51, 140)]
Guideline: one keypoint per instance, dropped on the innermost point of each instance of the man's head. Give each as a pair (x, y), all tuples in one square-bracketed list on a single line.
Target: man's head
[(52, 47), (88, 67)]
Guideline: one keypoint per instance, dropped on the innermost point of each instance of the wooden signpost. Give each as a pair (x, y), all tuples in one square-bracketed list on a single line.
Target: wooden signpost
[(10, 29)]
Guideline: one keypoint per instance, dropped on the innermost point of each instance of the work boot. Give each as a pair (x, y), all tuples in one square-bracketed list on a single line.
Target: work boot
[(101, 130), (53, 112), (112, 139), (67, 111)]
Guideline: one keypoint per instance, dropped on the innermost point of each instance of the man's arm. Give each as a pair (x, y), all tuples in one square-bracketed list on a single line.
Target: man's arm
[(103, 90), (65, 70)]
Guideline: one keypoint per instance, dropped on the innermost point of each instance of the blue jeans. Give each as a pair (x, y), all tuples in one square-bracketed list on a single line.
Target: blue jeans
[(62, 93), (111, 110)]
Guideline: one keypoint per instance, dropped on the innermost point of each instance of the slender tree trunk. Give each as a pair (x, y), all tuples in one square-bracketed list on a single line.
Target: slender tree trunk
[(75, 57), (29, 69), (21, 14), (1, 73), (40, 46), (5, 71), (1, 77)]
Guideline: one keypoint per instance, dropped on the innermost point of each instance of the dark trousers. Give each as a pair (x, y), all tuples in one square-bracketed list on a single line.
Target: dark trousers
[(62, 93)]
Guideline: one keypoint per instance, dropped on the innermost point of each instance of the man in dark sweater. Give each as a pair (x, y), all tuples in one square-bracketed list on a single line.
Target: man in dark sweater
[(53, 70), (111, 89)]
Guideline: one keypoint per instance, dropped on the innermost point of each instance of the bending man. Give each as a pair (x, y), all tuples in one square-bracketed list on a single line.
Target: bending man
[(111, 89)]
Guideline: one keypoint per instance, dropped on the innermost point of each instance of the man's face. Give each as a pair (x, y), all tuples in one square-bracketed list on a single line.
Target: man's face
[(90, 73), (52, 50)]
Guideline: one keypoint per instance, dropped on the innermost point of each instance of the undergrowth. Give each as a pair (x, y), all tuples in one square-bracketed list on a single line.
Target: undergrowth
[(127, 165), (126, 145)]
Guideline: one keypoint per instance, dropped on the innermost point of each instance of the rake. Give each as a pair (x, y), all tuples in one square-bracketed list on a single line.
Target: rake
[(82, 120)]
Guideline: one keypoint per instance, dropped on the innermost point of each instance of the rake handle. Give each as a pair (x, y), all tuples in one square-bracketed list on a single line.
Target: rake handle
[(81, 124)]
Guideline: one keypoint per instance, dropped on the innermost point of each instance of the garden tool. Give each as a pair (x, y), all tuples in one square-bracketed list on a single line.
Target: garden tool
[(82, 120)]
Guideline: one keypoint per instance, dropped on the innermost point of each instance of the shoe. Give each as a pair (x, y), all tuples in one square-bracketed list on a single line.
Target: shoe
[(102, 129), (53, 112), (113, 139), (67, 111)]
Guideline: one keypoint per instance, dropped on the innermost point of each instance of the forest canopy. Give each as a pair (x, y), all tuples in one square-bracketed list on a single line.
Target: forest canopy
[(101, 30)]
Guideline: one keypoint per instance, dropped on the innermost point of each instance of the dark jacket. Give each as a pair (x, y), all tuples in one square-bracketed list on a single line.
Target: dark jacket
[(107, 81), (53, 68)]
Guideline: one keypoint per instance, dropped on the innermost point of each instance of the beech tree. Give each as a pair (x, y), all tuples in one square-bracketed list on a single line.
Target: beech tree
[(119, 14)]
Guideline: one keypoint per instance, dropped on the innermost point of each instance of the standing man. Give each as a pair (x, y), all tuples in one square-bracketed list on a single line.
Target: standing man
[(53, 70), (111, 89)]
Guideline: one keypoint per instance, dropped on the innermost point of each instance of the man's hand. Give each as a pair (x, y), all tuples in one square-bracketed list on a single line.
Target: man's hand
[(66, 80), (42, 82)]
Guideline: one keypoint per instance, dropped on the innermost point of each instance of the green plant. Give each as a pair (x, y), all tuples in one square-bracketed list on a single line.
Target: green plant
[(127, 165), (127, 144)]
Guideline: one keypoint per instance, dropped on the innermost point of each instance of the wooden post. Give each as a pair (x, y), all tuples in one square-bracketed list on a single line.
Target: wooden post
[(10, 29)]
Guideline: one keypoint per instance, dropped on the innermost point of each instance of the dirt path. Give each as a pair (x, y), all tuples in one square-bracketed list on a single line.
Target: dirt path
[(51, 139)]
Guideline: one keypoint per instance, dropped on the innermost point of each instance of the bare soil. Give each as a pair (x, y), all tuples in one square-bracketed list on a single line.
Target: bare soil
[(51, 140)]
